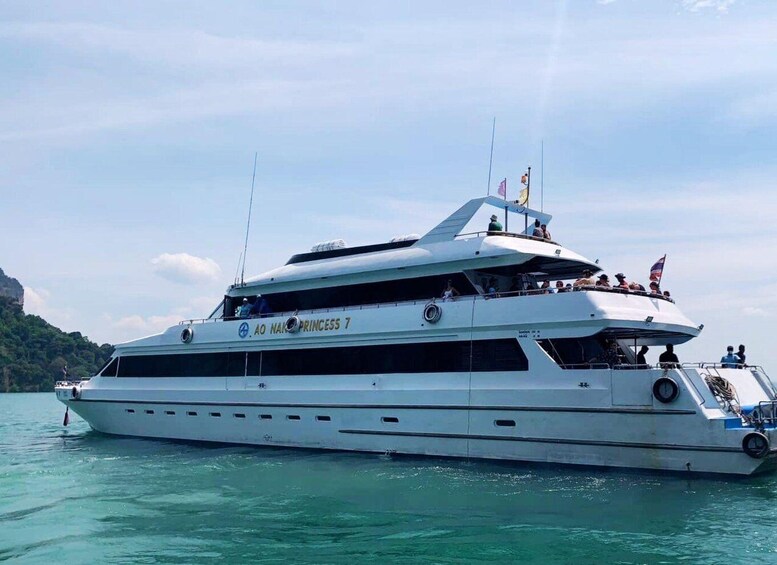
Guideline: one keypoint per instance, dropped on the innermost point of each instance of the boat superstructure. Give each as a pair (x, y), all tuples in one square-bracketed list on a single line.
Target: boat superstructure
[(354, 349)]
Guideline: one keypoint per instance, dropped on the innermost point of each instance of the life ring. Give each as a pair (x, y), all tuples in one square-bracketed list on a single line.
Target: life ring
[(432, 313), (665, 390), (293, 324), (76, 393), (187, 335), (756, 445)]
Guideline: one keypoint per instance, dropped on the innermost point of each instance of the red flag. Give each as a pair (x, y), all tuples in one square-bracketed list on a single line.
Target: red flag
[(502, 191), (657, 270), (66, 421)]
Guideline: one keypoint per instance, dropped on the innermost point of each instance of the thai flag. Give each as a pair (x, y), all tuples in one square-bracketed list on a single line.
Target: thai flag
[(502, 191), (657, 270)]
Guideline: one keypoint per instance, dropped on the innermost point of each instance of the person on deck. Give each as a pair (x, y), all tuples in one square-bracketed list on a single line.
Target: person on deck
[(641, 355), (260, 308), (560, 286), (537, 230), (450, 292), (622, 283), (494, 225), (545, 288), (586, 279), (729, 360), (492, 289), (604, 281), (654, 289), (545, 232), (636, 286), (516, 285), (668, 359), (244, 310), (741, 355)]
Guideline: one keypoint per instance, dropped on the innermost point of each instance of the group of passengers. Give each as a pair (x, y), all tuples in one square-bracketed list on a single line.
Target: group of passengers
[(604, 282), (540, 230), (733, 360), (259, 308)]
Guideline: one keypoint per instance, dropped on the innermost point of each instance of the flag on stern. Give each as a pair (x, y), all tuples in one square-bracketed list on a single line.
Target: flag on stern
[(502, 190), (657, 270), (66, 421)]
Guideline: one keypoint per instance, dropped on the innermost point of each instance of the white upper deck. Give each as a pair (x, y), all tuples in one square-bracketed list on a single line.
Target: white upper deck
[(443, 250)]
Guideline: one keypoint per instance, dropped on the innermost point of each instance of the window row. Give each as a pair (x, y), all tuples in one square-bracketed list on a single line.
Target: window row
[(433, 357)]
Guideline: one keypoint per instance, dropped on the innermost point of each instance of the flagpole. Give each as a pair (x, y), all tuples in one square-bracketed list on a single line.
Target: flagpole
[(542, 177), (491, 158), (663, 265), (528, 195)]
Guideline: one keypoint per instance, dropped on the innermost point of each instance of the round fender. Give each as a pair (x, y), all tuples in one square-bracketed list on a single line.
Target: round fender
[(665, 390), (187, 335), (756, 445), (432, 313), (293, 324), (76, 392)]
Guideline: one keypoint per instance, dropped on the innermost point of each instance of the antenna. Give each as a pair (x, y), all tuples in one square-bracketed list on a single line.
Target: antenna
[(248, 225), (491, 159), (239, 259), (542, 177)]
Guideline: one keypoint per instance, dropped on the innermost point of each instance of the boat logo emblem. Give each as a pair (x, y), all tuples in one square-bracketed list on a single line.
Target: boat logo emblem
[(242, 331)]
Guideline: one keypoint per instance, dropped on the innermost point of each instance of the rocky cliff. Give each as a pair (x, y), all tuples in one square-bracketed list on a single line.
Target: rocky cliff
[(11, 288)]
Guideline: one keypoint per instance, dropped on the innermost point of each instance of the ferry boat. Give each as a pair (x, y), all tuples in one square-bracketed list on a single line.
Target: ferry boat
[(358, 348)]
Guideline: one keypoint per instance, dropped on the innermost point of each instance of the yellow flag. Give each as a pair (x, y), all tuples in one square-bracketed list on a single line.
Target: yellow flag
[(523, 198)]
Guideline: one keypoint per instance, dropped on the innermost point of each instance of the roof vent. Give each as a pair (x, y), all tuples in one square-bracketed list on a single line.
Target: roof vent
[(408, 237), (328, 245)]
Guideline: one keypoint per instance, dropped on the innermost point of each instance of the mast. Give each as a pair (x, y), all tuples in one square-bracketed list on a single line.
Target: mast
[(491, 159), (248, 224)]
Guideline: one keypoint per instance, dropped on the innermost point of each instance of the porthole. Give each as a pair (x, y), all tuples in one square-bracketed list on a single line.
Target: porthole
[(265, 417), (323, 418), (169, 412), (130, 411), (149, 411), (239, 415), (191, 413), (389, 420), (505, 423), (216, 414), (292, 417)]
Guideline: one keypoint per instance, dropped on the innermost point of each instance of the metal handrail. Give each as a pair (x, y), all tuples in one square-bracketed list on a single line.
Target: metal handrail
[(506, 234), (486, 296)]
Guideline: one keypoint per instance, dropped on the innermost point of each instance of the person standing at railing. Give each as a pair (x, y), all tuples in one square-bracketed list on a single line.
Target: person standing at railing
[(537, 230), (729, 360), (545, 232), (641, 355), (668, 359), (741, 355), (244, 310), (450, 293)]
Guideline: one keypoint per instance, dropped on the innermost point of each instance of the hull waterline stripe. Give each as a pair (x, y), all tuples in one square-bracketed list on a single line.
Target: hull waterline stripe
[(396, 406), (548, 440)]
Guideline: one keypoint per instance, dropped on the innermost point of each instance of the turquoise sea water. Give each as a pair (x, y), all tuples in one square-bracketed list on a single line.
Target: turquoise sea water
[(70, 495)]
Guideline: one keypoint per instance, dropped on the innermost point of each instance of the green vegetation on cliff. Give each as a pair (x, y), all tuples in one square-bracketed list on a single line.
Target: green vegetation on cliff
[(33, 352)]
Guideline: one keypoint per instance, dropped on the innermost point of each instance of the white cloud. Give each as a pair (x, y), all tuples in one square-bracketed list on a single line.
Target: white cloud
[(755, 311), (698, 5), (185, 268), (37, 301)]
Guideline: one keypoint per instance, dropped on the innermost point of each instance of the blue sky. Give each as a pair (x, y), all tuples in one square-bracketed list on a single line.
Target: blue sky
[(127, 134)]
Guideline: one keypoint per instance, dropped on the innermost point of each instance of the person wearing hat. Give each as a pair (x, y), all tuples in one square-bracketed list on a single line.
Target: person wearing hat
[(245, 309), (494, 225), (622, 282), (730, 360), (654, 289), (586, 279), (604, 281)]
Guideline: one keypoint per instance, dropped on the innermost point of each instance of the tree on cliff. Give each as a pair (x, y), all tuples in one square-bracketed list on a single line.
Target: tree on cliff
[(33, 352)]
